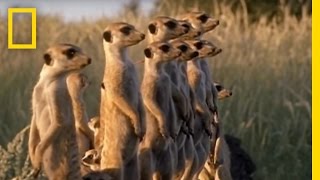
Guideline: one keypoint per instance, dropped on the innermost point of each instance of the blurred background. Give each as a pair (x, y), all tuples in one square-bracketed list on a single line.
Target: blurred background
[(266, 62)]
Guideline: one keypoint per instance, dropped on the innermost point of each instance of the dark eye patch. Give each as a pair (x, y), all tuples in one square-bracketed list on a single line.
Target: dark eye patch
[(219, 88), (186, 26), (164, 48), (70, 53), (183, 48), (170, 24), (203, 18), (198, 45), (125, 30)]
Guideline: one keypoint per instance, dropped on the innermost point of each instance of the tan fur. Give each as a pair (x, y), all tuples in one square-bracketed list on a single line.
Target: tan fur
[(52, 139), (122, 113), (223, 93), (203, 121), (77, 83), (218, 165), (204, 23), (94, 125), (200, 21), (156, 155), (179, 79), (164, 28), (92, 159)]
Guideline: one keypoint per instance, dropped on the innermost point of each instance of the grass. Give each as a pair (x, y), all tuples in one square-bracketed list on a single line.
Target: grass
[(267, 65)]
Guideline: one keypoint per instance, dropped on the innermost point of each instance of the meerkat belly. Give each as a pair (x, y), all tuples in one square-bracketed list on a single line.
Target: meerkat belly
[(153, 138)]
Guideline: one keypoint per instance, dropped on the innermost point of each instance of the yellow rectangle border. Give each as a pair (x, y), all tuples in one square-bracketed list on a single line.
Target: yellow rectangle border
[(33, 12), (315, 90)]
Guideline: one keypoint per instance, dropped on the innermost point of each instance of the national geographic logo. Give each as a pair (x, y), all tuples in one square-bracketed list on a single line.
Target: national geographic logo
[(33, 12)]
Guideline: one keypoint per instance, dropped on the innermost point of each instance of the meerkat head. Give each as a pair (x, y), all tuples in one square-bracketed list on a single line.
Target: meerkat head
[(200, 21), (192, 32), (122, 34), (164, 28), (204, 47), (92, 159), (223, 93), (187, 53), (77, 83), (161, 52), (65, 57)]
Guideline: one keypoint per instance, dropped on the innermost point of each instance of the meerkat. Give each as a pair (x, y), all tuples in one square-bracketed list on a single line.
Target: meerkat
[(164, 28), (223, 93), (218, 164), (179, 79), (52, 140), (155, 150), (204, 23), (94, 125), (122, 118), (196, 79), (77, 83), (161, 29), (92, 159), (200, 21)]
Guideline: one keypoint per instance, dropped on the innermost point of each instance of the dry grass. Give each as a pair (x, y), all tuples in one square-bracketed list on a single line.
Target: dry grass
[(268, 66)]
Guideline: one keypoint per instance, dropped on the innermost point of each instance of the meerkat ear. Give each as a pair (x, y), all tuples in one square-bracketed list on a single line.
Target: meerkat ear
[(107, 36), (152, 28), (47, 59), (148, 53)]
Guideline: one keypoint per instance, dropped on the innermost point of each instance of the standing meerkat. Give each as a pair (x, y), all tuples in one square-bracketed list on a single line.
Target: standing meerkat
[(161, 29), (178, 78), (122, 116), (204, 23), (77, 84), (196, 79), (52, 140), (155, 150), (94, 125)]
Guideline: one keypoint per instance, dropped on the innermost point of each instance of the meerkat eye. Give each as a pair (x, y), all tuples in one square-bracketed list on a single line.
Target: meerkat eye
[(198, 45), (164, 48), (70, 53), (203, 18), (183, 48), (187, 27), (219, 88), (90, 156), (125, 30), (170, 24)]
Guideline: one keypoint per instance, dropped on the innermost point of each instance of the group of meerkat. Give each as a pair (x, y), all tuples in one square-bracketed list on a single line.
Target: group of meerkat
[(166, 128)]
